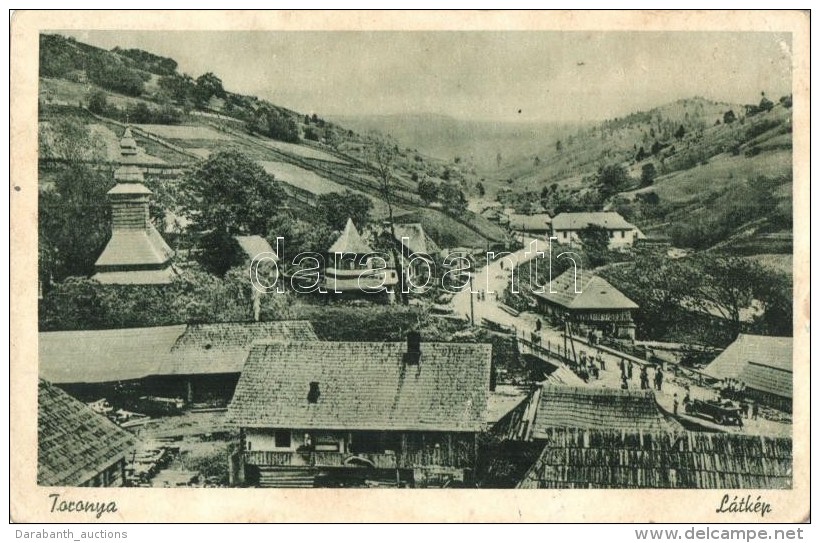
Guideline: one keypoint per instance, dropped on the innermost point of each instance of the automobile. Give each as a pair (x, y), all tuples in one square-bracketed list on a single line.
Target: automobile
[(721, 411)]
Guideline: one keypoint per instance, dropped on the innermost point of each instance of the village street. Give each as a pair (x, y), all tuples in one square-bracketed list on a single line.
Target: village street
[(492, 279)]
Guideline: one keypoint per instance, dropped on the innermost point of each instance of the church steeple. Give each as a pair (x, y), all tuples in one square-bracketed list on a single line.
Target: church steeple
[(136, 252)]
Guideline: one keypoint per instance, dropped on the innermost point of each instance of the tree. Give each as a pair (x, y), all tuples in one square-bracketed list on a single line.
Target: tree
[(281, 127), (98, 102), (207, 86), (74, 222), (648, 174), (640, 155), (595, 240), (452, 197), (227, 195), (335, 209), (765, 103), (382, 154), (428, 190), (680, 132), (558, 146), (611, 179), (480, 188), (729, 117)]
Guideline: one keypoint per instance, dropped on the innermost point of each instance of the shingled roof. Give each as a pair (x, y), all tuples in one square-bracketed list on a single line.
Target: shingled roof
[(606, 458), (595, 292), (578, 221), (363, 386), (99, 356), (253, 246), (592, 408), (350, 242), (223, 347), (135, 248), (762, 362), (537, 222), (73, 442), (418, 242)]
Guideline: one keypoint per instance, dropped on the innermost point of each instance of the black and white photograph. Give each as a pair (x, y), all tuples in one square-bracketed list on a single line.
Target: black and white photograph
[(481, 259)]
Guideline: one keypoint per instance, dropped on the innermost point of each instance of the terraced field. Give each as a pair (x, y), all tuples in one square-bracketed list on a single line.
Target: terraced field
[(301, 151)]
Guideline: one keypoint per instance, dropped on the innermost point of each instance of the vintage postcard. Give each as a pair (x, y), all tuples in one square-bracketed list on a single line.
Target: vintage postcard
[(410, 266)]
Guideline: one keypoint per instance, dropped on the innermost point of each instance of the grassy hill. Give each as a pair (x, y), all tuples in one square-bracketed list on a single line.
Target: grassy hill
[(179, 120), (717, 185)]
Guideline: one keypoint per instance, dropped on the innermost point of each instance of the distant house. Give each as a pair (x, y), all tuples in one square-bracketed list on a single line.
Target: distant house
[(336, 413), (537, 224), (75, 445), (418, 251), (195, 362), (136, 253), (588, 302), (617, 458), (763, 364), (567, 226), (353, 268)]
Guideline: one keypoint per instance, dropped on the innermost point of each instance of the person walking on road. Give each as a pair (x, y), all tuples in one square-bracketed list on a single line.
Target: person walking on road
[(659, 379), (675, 405), (629, 370), (644, 378)]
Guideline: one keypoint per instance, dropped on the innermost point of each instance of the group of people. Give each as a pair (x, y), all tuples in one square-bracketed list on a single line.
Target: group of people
[(626, 367), (590, 366)]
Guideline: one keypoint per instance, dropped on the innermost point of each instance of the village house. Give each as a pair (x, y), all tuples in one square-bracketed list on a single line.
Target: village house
[(339, 413), (761, 366), (588, 302), (562, 406), (584, 437), (135, 254), (566, 227), (75, 445), (417, 252), (194, 362), (354, 269), (535, 224)]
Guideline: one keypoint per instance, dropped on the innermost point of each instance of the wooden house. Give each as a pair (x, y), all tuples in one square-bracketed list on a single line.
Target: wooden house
[(195, 362), (536, 224), (418, 252), (762, 366), (341, 413), (566, 227), (561, 406), (588, 302), (75, 445), (354, 268)]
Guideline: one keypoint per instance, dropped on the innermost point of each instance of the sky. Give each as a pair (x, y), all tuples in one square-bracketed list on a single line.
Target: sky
[(497, 76)]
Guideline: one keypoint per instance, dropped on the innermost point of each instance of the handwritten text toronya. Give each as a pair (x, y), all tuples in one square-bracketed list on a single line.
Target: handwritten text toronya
[(81, 506)]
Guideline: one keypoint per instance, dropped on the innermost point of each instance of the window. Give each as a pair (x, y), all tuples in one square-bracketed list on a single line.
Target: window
[(282, 439), (623, 234), (565, 235), (611, 234)]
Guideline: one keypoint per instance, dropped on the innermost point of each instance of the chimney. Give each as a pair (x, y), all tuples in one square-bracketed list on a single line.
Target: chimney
[(313, 393), (413, 354)]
